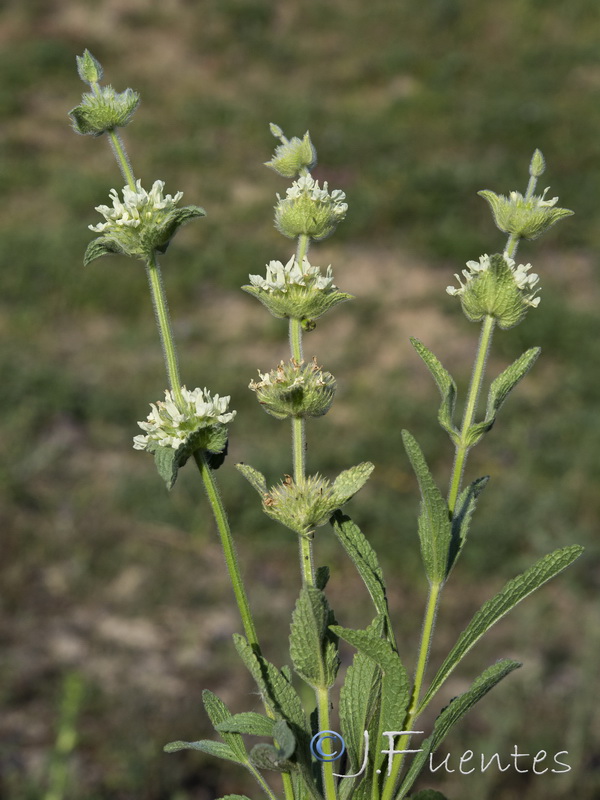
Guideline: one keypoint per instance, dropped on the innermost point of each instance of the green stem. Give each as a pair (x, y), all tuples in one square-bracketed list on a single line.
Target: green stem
[(328, 777), (159, 301), (262, 782), (228, 547), (462, 448), (118, 149)]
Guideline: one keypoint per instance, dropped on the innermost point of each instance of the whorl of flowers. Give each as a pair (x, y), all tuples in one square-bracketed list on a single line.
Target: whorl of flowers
[(524, 280), (173, 425), (280, 277), (309, 210), (137, 208)]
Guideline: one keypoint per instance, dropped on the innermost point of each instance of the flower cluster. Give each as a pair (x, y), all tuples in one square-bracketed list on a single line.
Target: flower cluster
[(295, 390), (172, 425), (523, 216), (292, 156), (296, 291), (103, 110), (309, 210), (139, 223), (495, 286)]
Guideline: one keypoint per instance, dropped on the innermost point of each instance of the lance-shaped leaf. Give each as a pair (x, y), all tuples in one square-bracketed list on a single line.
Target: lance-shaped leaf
[(507, 598), (255, 478), (453, 712), (499, 390), (461, 518), (365, 560), (447, 386), (218, 713), (435, 529), (101, 246), (310, 640), (248, 722), (358, 699), (217, 749), (395, 688), (348, 482)]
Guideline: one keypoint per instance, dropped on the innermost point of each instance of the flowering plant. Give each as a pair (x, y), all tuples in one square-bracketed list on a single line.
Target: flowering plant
[(377, 698)]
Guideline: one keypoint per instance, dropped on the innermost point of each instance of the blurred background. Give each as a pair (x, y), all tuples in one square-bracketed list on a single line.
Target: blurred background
[(115, 610)]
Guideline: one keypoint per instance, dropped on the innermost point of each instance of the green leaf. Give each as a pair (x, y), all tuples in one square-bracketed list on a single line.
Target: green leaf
[(365, 560), (247, 722), (265, 756), (348, 482), (167, 464), (310, 638), (218, 713), (285, 740), (357, 699), (322, 578), (445, 384), (509, 596), (254, 478), (177, 218), (435, 529), (217, 749), (395, 686), (102, 246), (461, 519), (499, 390), (453, 712)]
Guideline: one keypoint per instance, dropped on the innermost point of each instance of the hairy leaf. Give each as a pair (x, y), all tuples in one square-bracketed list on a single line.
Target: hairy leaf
[(434, 520), (461, 519), (247, 722), (445, 384), (507, 598), (218, 713), (310, 640), (453, 712), (217, 749)]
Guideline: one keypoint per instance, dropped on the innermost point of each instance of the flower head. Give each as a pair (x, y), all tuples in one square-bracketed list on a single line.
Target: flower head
[(528, 217), (309, 210), (295, 390), (495, 286), (104, 109), (170, 424), (292, 156), (296, 291), (139, 223)]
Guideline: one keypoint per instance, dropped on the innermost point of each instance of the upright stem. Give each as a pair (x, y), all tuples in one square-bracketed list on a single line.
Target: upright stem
[(328, 776), (119, 150), (159, 302)]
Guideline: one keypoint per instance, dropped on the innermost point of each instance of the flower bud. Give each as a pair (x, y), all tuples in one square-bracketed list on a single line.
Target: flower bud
[(307, 505), (89, 69), (295, 390), (103, 109), (293, 156), (495, 287), (139, 224), (309, 210), (296, 292)]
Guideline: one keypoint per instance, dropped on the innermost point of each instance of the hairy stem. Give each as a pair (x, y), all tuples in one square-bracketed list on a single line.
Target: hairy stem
[(118, 149), (328, 777)]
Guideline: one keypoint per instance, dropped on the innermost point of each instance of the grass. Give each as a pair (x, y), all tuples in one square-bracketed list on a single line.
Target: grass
[(411, 114)]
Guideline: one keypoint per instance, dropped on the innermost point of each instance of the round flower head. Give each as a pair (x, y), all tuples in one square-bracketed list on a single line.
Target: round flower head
[(296, 291), (495, 286), (183, 425), (103, 110), (309, 210), (139, 223), (295, 390)]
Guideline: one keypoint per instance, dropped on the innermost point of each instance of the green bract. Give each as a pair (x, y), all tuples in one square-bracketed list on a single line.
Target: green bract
[(140, 223), (103, 110), (296, 292), (89, 69), (308, 504), (522, 216), (308, 210), (295, 390), (495, 287), (293, 156)]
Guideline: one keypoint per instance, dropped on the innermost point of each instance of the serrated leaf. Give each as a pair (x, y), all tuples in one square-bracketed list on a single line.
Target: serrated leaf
[(356, 700), (447, 386), (217, 749), (218, 713), (348, 482), (499, 390), (102, 246), (167, 464), (461, 518), (310, 638), (365, 560), (254, 478), (248, 722), (435, 529), (395, 687), (507, 598), (453, 712)]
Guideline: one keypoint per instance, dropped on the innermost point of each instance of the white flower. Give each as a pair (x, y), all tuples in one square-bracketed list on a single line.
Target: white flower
[(524, 280), (307, 186), (170, 425), (138, 207), (280, 277)]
